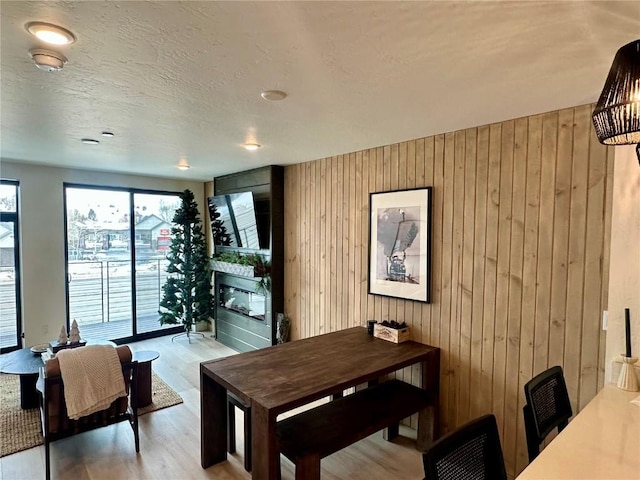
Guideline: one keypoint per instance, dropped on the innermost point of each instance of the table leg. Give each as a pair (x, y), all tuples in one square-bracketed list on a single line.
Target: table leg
[(143, 385), (429, 417), (266, 457), (28, 394), (213, 421)]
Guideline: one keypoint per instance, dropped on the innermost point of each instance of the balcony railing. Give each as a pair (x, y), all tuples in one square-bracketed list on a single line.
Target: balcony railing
[(7, 307), (100, 299), (100, 293)]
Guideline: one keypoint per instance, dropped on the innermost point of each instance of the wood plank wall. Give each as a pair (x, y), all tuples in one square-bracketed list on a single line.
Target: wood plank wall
[(521, 214)]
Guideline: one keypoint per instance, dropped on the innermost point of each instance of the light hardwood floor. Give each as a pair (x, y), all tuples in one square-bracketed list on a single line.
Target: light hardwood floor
[(170, 438)]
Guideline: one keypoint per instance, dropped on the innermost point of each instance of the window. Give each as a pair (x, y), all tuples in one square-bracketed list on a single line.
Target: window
[(10, 315)]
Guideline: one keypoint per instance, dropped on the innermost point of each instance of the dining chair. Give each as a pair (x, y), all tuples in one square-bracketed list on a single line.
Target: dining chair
[(547, 407), (470, 452)]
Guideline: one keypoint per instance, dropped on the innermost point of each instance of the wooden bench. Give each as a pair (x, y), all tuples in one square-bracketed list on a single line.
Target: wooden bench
[(309, 436)]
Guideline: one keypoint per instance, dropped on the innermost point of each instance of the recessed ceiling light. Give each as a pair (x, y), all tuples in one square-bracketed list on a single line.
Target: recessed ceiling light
[(252, 146), (107, 134), (49, 33), (183, 164), (90, 141), (273, 95)]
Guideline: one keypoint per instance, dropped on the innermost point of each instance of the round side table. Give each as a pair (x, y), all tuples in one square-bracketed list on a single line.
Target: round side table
[(143, 379), (26, 364)]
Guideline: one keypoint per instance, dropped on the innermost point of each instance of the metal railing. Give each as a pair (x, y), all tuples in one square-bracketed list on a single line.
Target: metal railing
[(8, 309), (100, 295), (100, 291)]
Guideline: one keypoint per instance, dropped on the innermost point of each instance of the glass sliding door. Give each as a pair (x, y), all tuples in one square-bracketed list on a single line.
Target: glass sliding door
[(99, 274), (152, 232), (109, 231), (10, 315)]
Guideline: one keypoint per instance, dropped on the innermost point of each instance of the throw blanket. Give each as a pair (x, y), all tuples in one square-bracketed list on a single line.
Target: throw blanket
[(92, 378)]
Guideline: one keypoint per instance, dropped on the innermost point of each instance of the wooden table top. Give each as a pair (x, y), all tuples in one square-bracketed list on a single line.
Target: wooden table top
[(287, 375), (602, 442)]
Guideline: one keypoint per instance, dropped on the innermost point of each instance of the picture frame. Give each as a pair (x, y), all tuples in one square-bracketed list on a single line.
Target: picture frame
[(400, 244)]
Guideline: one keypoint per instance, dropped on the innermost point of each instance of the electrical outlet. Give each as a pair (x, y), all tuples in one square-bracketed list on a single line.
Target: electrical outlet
[(45, 328), (605, 319)]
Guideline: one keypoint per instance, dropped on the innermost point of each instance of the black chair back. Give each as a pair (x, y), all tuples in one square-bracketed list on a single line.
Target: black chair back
[(470, 452), (547, 407)]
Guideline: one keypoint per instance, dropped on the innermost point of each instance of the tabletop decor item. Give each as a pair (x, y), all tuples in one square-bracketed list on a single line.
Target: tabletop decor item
[(62, 338), (392, 331), (627, 332), (74, 333), (399, 244), (627, 379), (63, 341), (370, 326), (55, 346), (40, 348)]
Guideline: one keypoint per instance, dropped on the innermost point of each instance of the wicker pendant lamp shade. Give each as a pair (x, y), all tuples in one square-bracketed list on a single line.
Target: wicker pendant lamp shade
[(617, 114)]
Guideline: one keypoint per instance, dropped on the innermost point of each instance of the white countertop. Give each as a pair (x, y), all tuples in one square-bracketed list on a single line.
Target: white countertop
[(601, 443)]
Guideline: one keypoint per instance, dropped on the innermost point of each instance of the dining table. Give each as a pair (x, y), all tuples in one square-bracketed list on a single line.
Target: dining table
[(601, 442), (276, 379)]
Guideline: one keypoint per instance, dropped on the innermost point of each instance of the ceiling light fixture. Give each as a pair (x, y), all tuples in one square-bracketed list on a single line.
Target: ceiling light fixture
[(183, 164), (48, 60), (50, 33), (107, 134), (252, 147), (273, 95), (90, 141), (616, 117)]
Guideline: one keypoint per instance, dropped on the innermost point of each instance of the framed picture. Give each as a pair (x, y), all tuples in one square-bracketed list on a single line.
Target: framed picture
[(400, 244)]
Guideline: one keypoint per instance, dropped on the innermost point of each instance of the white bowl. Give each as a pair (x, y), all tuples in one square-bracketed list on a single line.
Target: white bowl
[(41, 348)]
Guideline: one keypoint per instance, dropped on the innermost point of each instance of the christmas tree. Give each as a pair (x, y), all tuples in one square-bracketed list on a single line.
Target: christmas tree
[(187, 295)]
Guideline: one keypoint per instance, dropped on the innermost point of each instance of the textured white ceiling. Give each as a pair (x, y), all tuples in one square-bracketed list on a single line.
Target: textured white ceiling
[(183, 78)]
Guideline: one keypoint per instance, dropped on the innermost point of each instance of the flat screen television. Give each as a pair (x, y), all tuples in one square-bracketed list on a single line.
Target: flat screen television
[(238, 216)]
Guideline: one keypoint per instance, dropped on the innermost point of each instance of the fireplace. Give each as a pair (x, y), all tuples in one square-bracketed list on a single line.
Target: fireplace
[(243, 313), (241, 300)]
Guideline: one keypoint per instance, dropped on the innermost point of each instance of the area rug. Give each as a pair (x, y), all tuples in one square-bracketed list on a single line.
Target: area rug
[(20, 429)]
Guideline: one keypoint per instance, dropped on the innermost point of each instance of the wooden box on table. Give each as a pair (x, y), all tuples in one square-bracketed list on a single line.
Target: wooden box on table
[(391, 334)]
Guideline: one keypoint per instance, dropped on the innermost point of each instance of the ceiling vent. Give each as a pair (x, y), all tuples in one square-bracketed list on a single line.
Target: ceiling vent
[(48, 60)]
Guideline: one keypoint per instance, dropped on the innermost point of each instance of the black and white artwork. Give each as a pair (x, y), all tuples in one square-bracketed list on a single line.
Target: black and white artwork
[(399, 244)]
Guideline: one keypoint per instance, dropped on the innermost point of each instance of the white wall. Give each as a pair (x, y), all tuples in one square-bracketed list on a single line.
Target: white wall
[(42, 236), (624, 276)]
